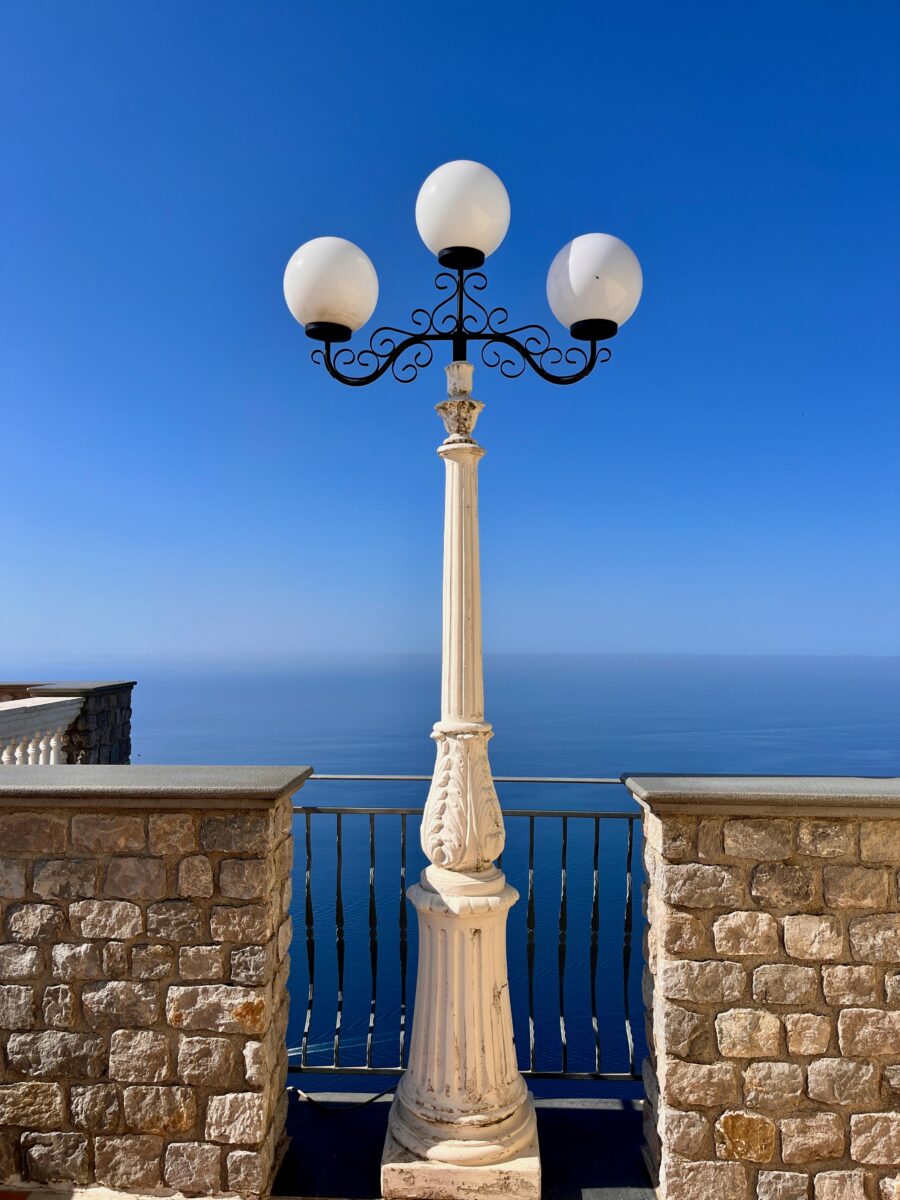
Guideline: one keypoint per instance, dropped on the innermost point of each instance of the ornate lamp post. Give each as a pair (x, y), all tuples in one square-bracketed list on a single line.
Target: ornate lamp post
[(462, 1121)]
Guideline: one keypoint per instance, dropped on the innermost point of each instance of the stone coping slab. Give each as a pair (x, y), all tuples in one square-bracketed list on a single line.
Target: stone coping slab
[(79, 687), (785, 795), (61, 688), (149, 786)]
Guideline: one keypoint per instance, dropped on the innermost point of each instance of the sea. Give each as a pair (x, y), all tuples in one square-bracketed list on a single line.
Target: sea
[(575, 978)]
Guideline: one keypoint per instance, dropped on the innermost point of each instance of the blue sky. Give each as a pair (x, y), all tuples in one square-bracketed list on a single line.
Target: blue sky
[(179, 479)]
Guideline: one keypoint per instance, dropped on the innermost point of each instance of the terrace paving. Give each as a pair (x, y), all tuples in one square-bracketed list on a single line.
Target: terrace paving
[(590, 1149)]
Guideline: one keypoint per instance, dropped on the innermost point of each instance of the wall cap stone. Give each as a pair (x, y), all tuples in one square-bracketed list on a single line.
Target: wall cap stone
[(767, 795), (80, 688), (160, 787)]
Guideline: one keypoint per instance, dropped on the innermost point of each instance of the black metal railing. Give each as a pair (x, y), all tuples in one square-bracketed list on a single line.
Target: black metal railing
[(594, 1022)]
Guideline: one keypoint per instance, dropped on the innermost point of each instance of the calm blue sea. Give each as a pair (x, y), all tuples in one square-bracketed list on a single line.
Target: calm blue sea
[(553, 715)]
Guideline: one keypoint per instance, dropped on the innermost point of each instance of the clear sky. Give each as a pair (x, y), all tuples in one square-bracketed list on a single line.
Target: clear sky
[(179, 478)]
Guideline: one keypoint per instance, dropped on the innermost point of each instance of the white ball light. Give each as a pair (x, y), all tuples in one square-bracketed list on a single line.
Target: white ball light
[(330, 280), (596, 277), (462, 204)]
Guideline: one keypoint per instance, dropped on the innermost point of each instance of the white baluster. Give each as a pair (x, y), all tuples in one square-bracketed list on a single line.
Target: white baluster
[(56, 747), (8, 757), (34, 749), (22, 753), (45, 748)]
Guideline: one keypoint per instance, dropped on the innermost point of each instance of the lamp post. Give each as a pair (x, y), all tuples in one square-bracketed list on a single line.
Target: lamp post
[(462, 1122)]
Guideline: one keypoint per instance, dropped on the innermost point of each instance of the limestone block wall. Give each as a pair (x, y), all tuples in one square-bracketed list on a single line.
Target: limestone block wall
[(143, 972), (102, 732), (773, 987)]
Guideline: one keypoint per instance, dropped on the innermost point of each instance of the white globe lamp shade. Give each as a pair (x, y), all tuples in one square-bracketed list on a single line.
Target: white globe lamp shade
[(462, 213), (594, 285), (331, 288)]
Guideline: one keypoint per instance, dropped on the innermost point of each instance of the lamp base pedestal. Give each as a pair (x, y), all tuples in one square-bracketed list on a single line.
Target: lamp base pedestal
[(406, 1177)]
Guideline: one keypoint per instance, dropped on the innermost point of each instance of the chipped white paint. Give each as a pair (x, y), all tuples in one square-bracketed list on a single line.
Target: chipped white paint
[(462, 1107)]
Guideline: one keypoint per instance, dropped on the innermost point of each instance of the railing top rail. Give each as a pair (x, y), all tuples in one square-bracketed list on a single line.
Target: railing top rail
[(19, 718), (416, 811), (359, 811), (497, 778), (38, 704)]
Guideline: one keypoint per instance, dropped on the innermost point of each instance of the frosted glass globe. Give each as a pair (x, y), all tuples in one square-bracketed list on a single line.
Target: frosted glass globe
[(330, 281), (596, 277), (463, 205)]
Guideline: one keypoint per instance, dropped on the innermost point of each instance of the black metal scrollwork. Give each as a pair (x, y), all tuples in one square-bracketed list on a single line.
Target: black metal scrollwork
[(460, 317)]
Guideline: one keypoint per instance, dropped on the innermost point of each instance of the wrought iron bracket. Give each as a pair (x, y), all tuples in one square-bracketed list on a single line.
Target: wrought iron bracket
[(459, 318)]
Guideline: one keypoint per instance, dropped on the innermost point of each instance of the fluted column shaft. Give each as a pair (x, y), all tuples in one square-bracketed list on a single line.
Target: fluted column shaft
[(462, 679)]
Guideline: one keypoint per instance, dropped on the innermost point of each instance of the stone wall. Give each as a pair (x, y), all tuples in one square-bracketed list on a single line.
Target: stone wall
[(773, 988), (102, 731), (143, 971)]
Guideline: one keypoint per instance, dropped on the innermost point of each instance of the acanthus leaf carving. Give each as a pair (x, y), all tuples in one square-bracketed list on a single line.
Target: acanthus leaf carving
[(462, 826), (487, 819)]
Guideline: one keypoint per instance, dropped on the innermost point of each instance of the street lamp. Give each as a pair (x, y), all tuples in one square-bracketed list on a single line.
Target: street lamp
[(593, 287), (462, 1117)]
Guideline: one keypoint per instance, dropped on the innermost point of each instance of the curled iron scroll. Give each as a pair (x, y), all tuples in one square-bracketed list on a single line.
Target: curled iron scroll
[(460, 316)]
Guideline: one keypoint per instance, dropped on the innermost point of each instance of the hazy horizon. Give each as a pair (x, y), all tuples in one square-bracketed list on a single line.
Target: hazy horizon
[(76, 665)]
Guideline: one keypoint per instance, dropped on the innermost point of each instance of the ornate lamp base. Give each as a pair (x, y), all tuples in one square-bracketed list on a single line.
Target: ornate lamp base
[(462, 1122)]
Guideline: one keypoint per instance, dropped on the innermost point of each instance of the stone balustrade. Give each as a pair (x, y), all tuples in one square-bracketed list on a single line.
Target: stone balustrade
[(32, 730), (52, 723), (773, 987), (143, 973)]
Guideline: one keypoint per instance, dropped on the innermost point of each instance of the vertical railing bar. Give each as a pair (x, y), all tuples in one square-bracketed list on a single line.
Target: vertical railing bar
[(561, 953), (530, 945), (402, 936), (373, 939), (310, 944), (626, 945), (595, 930), (339, 938)]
